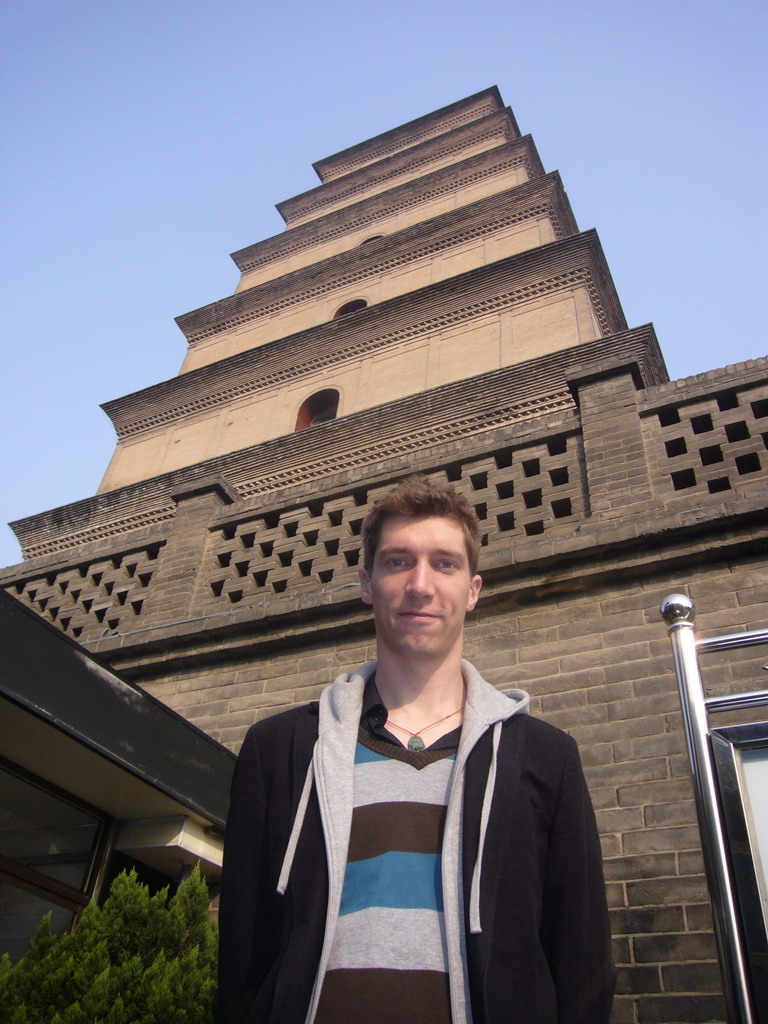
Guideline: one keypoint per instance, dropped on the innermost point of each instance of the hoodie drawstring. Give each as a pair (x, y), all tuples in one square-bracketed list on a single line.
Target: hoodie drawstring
[(474, 892), (298, 821)]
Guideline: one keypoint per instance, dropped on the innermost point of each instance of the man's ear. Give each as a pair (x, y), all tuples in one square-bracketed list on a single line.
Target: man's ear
[(475, 586), (365, 585)]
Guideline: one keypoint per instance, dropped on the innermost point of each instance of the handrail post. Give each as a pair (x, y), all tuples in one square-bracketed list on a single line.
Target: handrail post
[(677, 612)]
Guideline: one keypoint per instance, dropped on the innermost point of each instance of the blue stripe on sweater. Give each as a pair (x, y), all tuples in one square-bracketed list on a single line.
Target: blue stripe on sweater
[(404, 881), (364, 756)]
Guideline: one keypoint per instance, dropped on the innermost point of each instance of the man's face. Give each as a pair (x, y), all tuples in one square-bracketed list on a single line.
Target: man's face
[(420, 587)]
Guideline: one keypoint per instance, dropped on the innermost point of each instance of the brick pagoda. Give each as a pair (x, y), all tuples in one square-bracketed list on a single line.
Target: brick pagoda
[(433, 307)]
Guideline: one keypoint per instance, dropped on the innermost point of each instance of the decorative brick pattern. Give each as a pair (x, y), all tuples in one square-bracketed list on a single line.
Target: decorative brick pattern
[(461, 411), (517, 492), (94, 599), (524, 294), (155, 516), (304, 548), (713, 446), (414, 442)]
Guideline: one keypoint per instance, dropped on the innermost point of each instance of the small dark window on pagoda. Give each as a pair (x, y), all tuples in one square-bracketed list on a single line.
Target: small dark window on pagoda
[(318, 408), (350, 307)]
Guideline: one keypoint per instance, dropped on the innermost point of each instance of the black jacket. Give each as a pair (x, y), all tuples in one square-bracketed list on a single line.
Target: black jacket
[(543, 956)]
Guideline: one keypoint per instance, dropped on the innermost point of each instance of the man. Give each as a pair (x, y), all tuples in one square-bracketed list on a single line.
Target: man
[(414, 849)]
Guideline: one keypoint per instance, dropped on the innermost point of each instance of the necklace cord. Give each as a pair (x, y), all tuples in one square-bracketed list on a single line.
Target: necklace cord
[(424, 728)]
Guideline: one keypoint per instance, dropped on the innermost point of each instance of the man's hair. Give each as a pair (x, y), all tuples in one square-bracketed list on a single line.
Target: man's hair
[(418, 496)]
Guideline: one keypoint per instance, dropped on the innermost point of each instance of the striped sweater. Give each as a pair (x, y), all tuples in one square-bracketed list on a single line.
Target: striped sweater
[(388, 960)]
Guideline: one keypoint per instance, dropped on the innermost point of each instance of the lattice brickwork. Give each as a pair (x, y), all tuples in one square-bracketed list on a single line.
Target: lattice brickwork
[(96, 598), (517, 492), (716, 445)]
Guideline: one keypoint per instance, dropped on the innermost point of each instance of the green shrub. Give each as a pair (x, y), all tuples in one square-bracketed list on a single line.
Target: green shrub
[(138, 959)]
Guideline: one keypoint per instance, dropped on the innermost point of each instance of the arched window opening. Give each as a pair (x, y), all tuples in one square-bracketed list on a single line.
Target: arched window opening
[(373, 238), (318, 408), (350, 307)]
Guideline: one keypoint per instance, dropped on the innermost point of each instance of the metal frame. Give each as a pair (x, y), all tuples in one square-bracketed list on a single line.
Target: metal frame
[(677, 612)]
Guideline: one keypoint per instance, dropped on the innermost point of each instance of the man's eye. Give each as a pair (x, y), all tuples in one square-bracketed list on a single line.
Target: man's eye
[(446, 563)]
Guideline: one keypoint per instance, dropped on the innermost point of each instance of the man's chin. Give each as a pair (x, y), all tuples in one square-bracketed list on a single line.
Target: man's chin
[(417, 645)]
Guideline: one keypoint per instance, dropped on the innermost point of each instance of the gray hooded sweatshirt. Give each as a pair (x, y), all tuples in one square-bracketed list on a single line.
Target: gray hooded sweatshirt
[(332, 770)]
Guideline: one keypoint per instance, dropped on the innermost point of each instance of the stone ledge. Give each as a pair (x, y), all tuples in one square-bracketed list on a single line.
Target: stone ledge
[(217, 485)]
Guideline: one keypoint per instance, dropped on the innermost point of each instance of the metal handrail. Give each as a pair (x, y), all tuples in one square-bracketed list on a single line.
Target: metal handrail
[(749, 638), (737, 701)]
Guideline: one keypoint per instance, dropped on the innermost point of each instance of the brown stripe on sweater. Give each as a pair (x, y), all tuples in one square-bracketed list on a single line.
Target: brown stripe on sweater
[(408, 827), (383, 997), (415, 758)]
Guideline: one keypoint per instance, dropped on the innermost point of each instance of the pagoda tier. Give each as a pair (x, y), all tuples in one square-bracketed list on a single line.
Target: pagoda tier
[(428, 126), (464, 182)]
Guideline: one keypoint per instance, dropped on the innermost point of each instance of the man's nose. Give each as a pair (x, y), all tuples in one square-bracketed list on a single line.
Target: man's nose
[(420, 580)]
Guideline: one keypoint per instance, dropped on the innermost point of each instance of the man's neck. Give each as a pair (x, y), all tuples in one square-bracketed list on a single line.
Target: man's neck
[(419, 690)]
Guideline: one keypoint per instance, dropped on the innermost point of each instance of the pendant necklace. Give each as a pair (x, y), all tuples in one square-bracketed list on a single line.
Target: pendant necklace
[(416, 742)]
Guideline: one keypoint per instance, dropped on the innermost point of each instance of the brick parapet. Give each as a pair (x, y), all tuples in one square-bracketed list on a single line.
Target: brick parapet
[(515, 576), (617, 474), (709, 438), (174, 585), (751, 372)]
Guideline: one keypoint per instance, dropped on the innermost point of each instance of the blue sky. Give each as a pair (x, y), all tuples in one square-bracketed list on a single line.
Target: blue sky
[(145, 141)]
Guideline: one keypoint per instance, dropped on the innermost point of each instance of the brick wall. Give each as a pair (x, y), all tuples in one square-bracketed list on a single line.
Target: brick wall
[(599, 665)]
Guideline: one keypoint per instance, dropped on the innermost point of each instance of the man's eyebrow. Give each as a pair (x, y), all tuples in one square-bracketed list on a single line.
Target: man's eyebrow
[(405, 550)]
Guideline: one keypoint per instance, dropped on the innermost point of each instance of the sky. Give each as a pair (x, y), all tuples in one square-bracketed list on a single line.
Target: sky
[(143, 142)]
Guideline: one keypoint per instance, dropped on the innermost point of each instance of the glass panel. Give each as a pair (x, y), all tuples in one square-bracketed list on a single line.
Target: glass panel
[(44, 832), (754, 766), (21, 912)]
